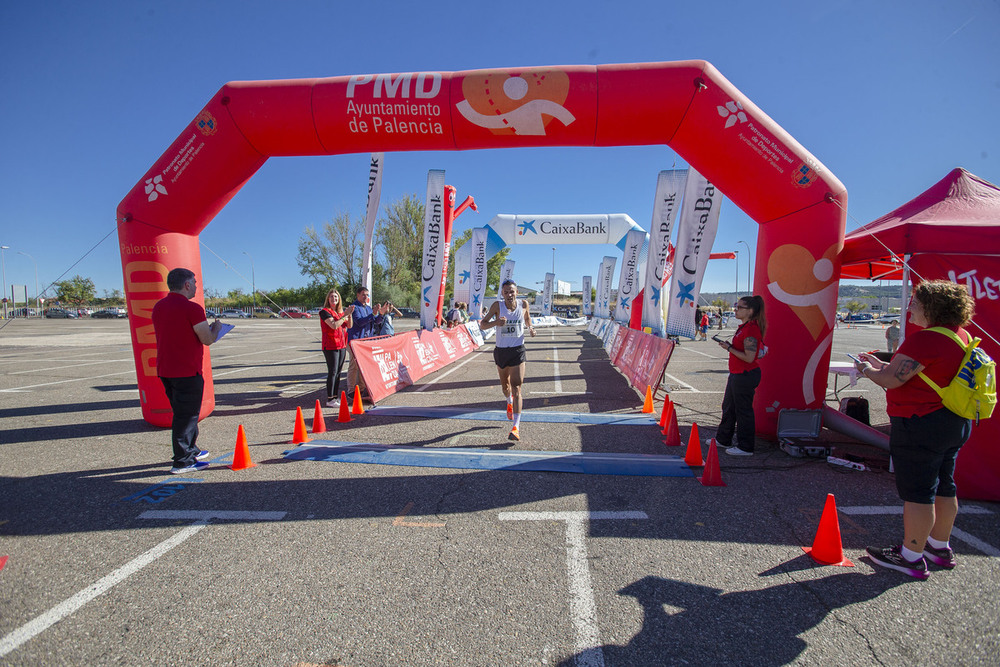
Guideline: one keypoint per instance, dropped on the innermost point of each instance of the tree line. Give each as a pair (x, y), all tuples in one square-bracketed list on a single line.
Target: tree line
[(330, 257)]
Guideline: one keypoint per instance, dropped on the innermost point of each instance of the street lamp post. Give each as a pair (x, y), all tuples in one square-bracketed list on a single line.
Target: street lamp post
[(749, 274), (553, 261), (253, 283), (737, 258), (3, 270), (21, 252)]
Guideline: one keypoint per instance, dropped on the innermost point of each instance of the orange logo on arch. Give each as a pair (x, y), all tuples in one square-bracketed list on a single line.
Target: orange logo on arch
[(804, 283), (516, 103)]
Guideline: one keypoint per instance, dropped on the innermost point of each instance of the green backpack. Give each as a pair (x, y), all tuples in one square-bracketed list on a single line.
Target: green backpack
[(972, 393)]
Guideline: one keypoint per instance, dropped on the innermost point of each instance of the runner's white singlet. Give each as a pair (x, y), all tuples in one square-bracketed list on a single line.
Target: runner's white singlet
[(512, 333)]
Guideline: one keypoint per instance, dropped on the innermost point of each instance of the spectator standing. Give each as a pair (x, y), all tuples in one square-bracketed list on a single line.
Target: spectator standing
[(744, 376), (182, 334), (703, 326), (390, 312), (334, 320), (365, 323), (925, 436)]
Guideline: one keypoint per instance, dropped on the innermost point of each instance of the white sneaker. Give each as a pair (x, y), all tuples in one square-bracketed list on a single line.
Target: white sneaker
[(736, 451), (333, 403)]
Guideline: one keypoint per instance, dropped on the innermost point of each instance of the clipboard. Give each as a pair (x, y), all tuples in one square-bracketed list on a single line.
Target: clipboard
[(224, 329)]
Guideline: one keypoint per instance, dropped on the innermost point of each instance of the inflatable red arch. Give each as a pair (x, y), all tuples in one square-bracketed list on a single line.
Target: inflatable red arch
[(687, 105)]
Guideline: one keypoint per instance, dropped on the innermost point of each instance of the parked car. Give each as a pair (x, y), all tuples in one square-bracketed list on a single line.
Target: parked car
[(232, 312), (314, 311), (210, 313), (60, 313), (110, 314), (859, 317), (408, 312), (890, 318), (293, 313)]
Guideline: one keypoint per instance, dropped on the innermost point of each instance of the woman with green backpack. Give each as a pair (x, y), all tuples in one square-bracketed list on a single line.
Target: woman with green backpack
[(925, 436)]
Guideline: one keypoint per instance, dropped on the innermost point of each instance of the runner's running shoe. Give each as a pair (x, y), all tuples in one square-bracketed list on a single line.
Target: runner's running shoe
[(514, 435)]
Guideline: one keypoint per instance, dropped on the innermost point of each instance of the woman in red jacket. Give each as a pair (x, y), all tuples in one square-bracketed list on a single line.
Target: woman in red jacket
[(334, 321), (744, 376), (925, 436)]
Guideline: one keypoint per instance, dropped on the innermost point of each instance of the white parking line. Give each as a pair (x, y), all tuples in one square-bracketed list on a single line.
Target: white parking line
[(59, 368), (582, 609), (682, 383), (556, 380), (971, 540), (46, 620), (201, 518), (424, 386), (83, 379)]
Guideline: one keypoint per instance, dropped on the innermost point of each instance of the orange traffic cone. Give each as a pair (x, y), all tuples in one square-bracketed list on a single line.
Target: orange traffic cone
[(319, 425), (667, 405), (827, 548), (647, 406), (299, 435), (357, 408), (345, 413), (241, 456), (711, 475), (671, 430), (693, 456)]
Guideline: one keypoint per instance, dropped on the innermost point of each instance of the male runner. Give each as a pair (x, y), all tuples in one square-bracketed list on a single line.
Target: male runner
[(510, 317)]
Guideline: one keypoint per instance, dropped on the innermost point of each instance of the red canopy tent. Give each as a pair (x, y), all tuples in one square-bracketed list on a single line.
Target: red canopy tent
[(950, 231)]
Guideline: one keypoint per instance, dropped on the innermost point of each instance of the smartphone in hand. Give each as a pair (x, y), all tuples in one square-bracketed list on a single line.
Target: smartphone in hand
[(854, 358), (717, 339)]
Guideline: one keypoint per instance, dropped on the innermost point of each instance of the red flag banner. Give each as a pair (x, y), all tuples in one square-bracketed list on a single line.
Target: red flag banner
[(394, 362)]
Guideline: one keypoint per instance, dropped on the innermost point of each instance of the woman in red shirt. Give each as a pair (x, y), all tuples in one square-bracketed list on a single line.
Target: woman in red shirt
[(334, 321), (744, 376), (925, 436)]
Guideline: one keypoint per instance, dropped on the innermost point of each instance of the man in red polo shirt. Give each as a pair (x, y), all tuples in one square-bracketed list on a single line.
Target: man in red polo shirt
[(182, 332)]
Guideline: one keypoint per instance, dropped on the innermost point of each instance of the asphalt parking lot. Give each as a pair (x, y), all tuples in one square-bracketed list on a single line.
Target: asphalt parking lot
[(108, 559)]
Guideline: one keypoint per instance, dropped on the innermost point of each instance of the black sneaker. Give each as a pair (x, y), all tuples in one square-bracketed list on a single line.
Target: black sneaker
[(892, 558), (941, 557)]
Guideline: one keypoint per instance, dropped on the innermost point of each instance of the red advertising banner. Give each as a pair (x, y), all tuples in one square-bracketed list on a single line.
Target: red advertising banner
[(389, 364), (640, 357), (618, 343), (385, 363)]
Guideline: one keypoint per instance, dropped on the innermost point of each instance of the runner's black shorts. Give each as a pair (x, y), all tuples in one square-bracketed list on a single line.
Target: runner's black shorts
[(505, 357)]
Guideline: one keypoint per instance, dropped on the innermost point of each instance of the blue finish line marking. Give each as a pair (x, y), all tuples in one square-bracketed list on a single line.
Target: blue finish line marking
[(587, 463), (500, 415)]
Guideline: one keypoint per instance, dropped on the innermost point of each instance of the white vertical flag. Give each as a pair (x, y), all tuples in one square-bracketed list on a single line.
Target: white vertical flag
[(630, 280), (696, 229), (478, 270), (547, 294), (602, 308), (374, 195), (669, 186), (586, 295), (430, 271), (506, 273)]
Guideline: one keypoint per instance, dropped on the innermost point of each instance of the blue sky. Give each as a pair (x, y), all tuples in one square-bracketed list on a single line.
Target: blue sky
[(890, 96)]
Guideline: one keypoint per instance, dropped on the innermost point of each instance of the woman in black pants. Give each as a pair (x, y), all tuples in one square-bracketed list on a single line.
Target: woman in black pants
[(744, 376), (334, 320)]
